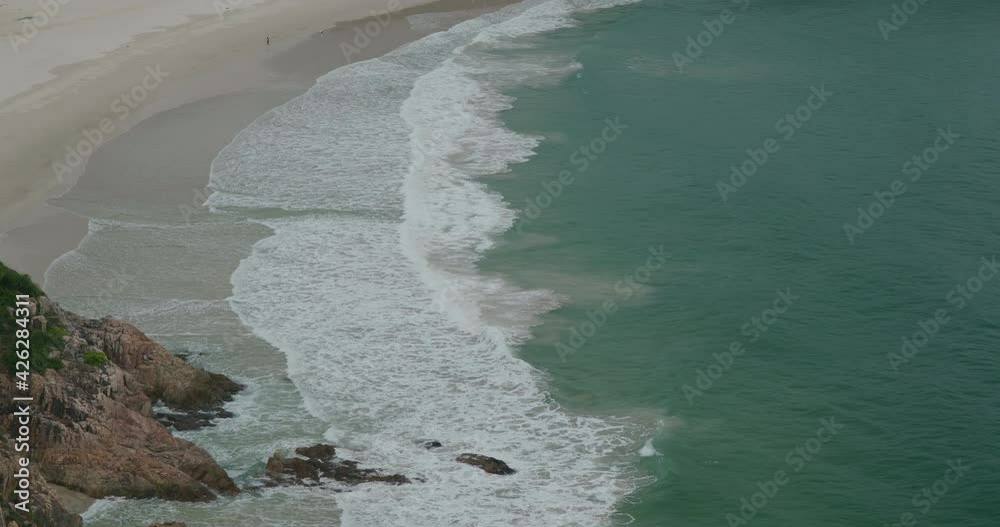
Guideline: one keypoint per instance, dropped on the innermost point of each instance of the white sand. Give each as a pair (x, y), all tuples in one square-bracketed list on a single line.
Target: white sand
[(81, 30), (68, 75)]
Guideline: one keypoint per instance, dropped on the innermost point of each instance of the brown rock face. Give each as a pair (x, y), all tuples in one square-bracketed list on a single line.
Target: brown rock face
[(163, 376), (92, 428), (317, 451), (93, 437), (320, 463), (491, 465), (46, 511)]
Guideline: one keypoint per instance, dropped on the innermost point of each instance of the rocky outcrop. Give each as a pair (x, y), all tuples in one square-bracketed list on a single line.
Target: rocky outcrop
[(318, 462), (491, 465), (94, 435), (193, 419), (163, 376), (93, 430), (46, 511)]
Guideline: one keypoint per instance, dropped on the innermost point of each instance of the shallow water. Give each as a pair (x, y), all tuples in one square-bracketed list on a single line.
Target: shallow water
[(382, 252)]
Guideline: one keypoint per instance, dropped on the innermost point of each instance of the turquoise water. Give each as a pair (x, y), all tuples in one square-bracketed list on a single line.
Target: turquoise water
[(826, 356), (554, 182)]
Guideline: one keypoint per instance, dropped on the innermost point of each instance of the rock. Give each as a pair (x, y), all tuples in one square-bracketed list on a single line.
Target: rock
[(46, 306), (291, 471), (171, 524), (319, 463), (94, 436), (348, 472), (163, 376), (74, 502), (46, 510), (192, 420), (323, 452), (76, 347), (184, 422), (432, 444), (94, 432), (32, 307), (491, 465), (275, 465)]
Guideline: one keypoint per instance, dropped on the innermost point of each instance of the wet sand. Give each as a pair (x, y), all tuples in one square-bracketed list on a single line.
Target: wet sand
[(158, 157)]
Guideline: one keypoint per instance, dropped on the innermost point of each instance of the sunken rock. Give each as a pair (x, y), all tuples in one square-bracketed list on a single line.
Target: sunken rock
[(292, 471), (186, 421), (275, 465), (432, 444), (491, 465), (319, 461), (321, 452), (348, 472), (171, 524), (192, 420)]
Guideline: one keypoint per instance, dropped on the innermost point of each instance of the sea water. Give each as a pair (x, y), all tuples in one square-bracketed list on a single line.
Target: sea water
[(620, 248)]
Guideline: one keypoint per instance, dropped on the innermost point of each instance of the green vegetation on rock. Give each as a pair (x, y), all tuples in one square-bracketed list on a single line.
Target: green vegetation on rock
[(42, 343), (95, 358)]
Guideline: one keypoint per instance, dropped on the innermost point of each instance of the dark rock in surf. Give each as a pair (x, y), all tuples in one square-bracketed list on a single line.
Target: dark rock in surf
[(320, 451), (488, 464), (318, 462)]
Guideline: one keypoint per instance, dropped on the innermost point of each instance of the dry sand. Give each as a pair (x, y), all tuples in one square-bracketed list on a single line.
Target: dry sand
[(60, 107)]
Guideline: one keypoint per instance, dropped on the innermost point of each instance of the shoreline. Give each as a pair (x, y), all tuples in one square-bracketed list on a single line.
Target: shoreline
[(135, 173), (307, 40)]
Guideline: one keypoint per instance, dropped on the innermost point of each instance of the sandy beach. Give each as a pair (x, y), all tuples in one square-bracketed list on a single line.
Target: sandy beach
[(90, 73)]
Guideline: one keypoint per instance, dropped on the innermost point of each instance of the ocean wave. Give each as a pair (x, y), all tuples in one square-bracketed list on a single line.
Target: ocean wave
[(392, 334)]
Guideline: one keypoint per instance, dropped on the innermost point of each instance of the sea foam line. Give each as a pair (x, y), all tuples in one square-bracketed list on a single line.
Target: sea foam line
[(365, 346)]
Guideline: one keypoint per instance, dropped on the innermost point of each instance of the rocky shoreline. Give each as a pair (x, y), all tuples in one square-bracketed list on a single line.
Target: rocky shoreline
[(94, 432), (93, 429)]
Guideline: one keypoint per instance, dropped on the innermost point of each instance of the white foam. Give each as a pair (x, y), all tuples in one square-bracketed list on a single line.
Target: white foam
[(372, 291), (648, 450)]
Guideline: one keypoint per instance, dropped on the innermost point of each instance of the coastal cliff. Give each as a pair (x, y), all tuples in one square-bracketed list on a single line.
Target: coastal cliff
[(92, 387)]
